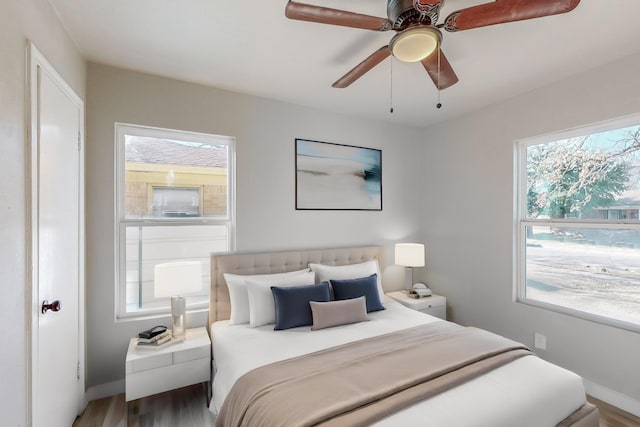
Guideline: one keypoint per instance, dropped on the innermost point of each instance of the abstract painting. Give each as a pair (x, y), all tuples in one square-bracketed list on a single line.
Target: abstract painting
[(337, 177)]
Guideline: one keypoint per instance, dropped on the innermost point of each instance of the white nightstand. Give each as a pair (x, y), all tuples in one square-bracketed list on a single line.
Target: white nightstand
[(151, 371), (435, 305)]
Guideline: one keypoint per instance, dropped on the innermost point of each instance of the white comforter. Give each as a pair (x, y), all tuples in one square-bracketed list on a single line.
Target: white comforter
[(525, 392)]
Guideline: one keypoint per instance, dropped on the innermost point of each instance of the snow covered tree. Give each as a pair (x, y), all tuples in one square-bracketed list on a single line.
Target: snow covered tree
[(566, 179)]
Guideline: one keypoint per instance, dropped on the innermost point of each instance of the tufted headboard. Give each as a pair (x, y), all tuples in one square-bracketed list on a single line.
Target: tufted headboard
[(275, 262)]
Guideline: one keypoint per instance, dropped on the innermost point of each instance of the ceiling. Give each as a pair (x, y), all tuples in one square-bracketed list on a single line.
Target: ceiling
[(250, 47)]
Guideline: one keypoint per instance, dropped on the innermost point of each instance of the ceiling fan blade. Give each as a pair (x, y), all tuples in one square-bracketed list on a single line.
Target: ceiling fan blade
[(447, 77), (501, 11), (359, 70), (325, 15)]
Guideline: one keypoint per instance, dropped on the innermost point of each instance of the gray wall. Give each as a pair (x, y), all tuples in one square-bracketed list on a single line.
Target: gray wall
[(469, 221), (21, 20), (266, 217)]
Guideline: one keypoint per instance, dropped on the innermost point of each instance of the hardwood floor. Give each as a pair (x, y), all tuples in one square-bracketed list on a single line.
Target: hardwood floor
[(610, 416), (187, 407)]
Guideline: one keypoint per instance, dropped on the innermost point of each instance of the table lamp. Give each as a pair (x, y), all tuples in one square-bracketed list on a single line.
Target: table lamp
[(409, 255), (173, 279)]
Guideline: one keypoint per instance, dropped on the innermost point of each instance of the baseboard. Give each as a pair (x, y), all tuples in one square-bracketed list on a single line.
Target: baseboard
[(104, 390), (613, 397)]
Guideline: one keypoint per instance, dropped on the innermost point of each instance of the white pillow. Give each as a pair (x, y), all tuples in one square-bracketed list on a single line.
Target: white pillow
[(236, 283), (262, 309), (325, 273)]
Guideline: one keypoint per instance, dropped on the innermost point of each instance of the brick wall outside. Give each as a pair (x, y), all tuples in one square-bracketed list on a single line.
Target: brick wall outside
[(136, 199), (214, 199), (141, 178)]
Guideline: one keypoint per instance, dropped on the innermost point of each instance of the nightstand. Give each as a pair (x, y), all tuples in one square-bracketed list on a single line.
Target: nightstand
[(150, 371), (435, 305)]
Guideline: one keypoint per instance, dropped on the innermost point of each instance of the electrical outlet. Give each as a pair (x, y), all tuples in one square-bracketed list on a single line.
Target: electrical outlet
[(540, 341)]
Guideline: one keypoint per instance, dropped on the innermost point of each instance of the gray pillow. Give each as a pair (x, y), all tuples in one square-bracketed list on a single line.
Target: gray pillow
[(336, 313)]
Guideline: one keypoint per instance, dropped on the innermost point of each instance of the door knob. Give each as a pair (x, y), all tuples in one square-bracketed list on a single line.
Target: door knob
[(54, 306)]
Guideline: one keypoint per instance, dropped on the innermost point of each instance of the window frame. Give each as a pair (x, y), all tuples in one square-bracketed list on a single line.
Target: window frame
[(521, 222), (121, 222)]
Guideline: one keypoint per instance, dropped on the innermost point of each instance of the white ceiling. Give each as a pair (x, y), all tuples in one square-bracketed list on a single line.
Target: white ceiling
[(250, 47)]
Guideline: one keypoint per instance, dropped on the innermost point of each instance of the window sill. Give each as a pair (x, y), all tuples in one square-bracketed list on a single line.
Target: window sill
[(583, 315), (158, 313)]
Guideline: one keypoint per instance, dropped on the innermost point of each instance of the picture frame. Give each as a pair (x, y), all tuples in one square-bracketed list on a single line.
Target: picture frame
[(333, 176)]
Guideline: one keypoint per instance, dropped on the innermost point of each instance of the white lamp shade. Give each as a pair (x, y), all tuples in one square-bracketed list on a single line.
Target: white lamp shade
[(176, 278), (410, 254)]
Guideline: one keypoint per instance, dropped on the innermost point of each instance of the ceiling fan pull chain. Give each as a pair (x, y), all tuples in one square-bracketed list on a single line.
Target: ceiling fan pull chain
[(439, 104), (391, 89)]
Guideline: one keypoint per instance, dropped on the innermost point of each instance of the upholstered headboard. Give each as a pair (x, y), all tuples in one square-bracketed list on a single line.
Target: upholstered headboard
[(275, 262)]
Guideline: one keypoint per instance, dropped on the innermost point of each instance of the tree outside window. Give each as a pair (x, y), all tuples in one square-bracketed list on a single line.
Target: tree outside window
[(579, 233)]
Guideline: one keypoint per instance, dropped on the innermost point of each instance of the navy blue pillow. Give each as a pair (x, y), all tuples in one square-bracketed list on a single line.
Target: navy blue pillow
[(292, 304), (354, 288)]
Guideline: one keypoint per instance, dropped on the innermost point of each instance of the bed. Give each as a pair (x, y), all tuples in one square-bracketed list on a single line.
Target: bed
[(525, 391)]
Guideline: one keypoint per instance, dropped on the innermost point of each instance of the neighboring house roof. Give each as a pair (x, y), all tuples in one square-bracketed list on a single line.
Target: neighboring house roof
[(628, 199), (162, 151)]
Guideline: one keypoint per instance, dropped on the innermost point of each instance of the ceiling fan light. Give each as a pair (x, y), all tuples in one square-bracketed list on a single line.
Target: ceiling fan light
[(415, 44)]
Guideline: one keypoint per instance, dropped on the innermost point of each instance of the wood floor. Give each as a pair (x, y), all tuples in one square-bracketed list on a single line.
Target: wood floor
[(187, 407), (610, 416)]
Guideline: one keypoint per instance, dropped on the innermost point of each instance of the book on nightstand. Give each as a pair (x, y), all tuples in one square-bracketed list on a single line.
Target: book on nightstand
[(157, 341), (417, 293)]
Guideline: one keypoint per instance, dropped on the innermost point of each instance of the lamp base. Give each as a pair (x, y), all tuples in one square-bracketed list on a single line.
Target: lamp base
[(178, 316), (408, 277)]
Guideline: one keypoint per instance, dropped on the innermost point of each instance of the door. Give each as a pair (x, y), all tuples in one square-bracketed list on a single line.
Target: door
[(57, 260)]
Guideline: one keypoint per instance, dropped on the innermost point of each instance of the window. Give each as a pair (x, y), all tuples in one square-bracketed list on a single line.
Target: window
[(578, 233), (174, 202)]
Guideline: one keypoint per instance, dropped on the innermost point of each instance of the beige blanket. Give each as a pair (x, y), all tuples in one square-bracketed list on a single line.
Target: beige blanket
[(359, 383)]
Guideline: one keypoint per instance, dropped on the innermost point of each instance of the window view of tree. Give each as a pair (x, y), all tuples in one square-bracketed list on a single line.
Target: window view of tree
[(580, 224), (568, 178)]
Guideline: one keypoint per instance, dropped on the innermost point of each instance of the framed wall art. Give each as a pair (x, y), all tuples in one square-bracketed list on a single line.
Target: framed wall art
[(337, 177)]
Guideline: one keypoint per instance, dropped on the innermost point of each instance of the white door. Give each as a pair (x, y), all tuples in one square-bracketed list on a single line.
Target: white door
[(57, 259)]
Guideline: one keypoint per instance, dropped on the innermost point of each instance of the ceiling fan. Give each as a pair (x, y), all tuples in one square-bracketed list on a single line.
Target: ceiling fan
[(418, 36)]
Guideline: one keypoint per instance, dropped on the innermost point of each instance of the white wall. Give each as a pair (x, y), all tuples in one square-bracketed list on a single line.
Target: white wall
[(21, 20), (266, 217), (469, 218)]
